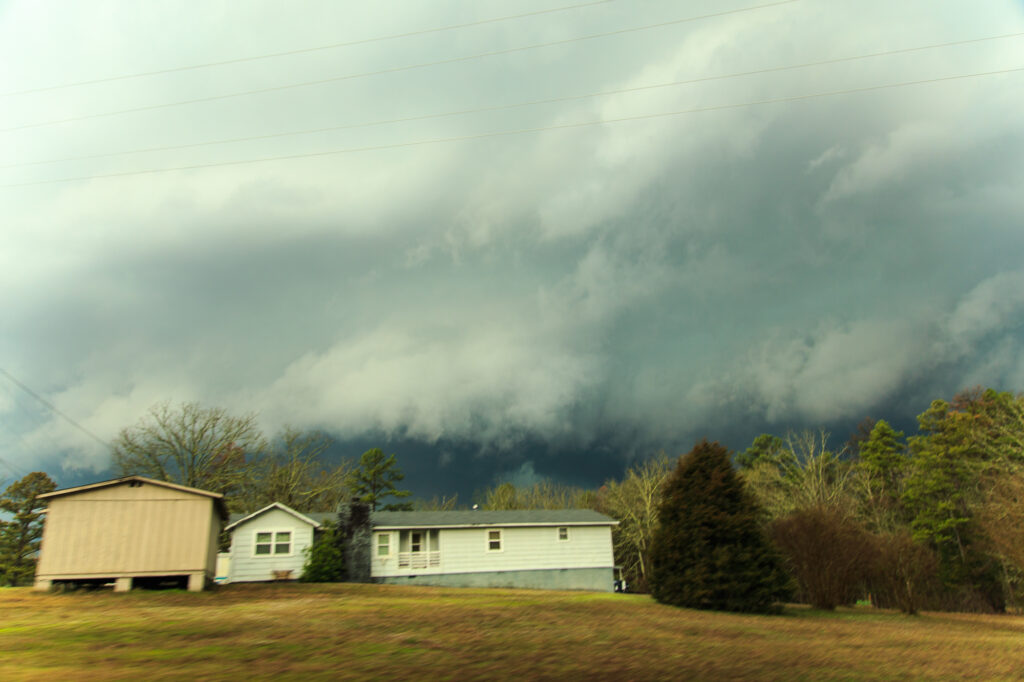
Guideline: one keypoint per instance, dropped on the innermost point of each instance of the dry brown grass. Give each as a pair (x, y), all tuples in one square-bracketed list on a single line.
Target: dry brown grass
[(387, 632)]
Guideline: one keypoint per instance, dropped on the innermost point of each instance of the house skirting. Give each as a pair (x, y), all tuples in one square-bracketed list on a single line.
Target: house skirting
[(594, 579)]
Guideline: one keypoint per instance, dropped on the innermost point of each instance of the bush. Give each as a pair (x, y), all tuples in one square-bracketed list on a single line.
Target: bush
[(325, 560), (709, 551), (829, 554), (904, 574)]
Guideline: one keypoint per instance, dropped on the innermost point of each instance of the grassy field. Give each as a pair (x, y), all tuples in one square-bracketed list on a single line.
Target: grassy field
[(278, 631)]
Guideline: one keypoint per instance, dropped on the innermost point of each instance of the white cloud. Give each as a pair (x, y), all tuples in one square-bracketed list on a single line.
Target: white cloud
[(484, 382), (889, 162), (992, 306)]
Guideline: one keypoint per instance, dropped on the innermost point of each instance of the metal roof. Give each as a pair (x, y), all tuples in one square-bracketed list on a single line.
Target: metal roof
[(218, 499)]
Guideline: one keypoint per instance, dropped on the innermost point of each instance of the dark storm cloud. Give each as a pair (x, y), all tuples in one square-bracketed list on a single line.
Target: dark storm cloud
[(552, 304)]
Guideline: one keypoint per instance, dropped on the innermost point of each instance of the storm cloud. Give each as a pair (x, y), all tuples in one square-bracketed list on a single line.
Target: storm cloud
[(627, 272)]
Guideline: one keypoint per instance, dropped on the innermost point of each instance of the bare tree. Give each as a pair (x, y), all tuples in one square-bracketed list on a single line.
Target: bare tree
[(633, 502), (293, 473), (1001, 515), (437, 503), (806, 474), (201, 447), (541, 495)]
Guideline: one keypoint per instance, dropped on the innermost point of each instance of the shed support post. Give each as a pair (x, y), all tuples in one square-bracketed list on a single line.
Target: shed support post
[(42, 584), (196, 581), (122, 584)]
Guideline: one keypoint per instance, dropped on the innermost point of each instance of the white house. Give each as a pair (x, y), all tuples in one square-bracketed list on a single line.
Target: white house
[(568, 549), (269, 544)]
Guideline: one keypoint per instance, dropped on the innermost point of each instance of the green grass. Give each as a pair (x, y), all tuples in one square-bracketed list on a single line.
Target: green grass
[(292, 631)]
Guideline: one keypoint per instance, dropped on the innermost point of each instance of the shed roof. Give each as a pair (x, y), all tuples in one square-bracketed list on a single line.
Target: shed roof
[(218, 499)]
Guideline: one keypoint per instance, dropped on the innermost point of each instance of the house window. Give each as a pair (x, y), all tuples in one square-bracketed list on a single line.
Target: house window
[(268, 543), (563, 534), (494, 541), (383, 544), (416, 543)]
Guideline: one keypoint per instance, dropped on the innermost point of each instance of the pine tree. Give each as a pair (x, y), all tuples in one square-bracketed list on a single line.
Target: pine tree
[(710, 551), (19, 537), (882, 468), (375, 479)]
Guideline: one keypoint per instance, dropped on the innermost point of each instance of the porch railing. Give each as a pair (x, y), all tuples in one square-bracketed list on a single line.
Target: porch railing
[(419, 560)]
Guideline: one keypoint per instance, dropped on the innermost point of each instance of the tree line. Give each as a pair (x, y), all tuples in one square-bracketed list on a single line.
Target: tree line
[(208, 448), (930, 521)]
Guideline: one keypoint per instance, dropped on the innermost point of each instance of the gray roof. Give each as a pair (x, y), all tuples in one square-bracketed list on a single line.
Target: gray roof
[(438, 519), (517, 517)]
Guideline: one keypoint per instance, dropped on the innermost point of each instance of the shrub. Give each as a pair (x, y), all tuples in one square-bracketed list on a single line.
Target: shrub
[(325, 560), (829, 554), (904, 574), (709, 551)]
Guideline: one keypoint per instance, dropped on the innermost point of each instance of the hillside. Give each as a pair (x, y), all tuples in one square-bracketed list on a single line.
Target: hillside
[(386, 632)]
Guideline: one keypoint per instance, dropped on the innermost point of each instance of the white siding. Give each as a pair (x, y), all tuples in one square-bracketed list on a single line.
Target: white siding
[(246, 566), (464, 550)]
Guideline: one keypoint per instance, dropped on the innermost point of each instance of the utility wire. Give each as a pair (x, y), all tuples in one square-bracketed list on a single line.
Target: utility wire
[(17, 471), (306, 50), (397, 69), (54, 409), (520, 131), (500, 107)]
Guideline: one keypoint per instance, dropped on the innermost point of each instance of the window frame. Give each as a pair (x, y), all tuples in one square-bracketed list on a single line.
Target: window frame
[(563, 530), (273, 542), (500, 540), (387, 544)]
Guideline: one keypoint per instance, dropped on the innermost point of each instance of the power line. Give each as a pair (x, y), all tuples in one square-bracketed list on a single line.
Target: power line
[(520, 131), (397, 69), (54, 409), (17, 471), (306, 50), (500, 107)]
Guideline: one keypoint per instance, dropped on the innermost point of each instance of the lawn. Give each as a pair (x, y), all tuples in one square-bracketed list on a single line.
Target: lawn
[(254, 632)]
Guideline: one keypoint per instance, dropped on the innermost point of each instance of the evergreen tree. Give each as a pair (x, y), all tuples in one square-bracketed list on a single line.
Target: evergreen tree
[(375, 479), (325, 559), (765, 448), (881, 468), (937, 494), (709, 551), (19, 537)]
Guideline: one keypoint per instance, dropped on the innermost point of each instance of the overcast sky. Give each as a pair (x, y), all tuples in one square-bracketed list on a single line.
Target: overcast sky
[(501, 252)]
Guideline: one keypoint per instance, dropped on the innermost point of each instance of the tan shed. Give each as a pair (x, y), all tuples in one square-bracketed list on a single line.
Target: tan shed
[(130, 529)]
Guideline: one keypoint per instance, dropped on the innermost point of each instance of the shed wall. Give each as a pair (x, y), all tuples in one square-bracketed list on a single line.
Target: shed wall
[(128, 530)]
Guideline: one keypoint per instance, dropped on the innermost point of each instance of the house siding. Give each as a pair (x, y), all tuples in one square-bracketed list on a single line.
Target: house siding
[(246, 567), (526, 553)]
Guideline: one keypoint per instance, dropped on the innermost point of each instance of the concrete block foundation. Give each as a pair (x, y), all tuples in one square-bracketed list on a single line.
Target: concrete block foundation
[(592, 579)]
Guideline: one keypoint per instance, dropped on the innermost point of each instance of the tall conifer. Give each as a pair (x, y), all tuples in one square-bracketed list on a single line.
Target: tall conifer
[(710, 551)]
